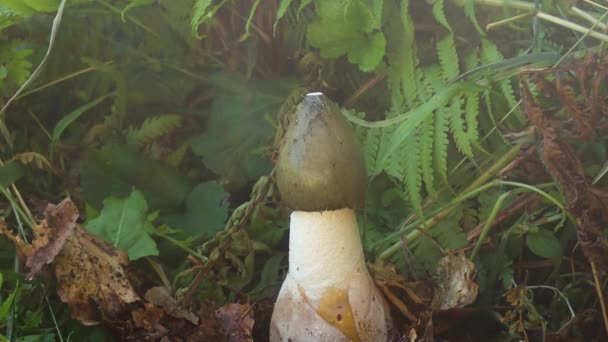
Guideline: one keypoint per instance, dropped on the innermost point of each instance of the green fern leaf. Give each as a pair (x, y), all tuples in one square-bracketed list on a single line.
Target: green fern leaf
[(371, 150), (457, 127), (426, 159), (471, 113), (469, 11), (200, 13), (152, 128), (448, 58), (434, 82), (409, 57), (14, 64), (440, 143), (439, 14), (491, 54), (412, 173)]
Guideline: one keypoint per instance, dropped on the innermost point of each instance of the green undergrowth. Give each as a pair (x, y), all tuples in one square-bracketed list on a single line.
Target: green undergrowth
[(160, 118)]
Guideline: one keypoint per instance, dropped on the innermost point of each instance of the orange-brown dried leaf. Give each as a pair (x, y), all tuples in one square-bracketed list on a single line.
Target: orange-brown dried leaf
[(51, 234), (237, 320), (91, 277), (149, 319)]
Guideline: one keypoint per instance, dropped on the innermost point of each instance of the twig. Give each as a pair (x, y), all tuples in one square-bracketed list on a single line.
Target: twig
[(398, 303), (600, 294), (499, 23), (572, 26)]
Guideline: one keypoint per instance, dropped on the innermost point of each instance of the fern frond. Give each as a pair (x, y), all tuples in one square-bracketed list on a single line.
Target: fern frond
[(469, 12), (439, 14), (412, 173), (199, 14), (410, 58), (371, 150), (426, 159), (491, 54), (471, 113), (458, 129), (153, 128), (176, 156), (440, 143), (448, 58)]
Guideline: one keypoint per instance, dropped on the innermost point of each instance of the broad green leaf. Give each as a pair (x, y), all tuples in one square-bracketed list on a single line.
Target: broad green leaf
[(5, 306), (126, 223), (73, 116), (43, 5), (544, 244), (10, 173), (348, 28), (115, 169), (237, 132), (206, 211), (283, 6)]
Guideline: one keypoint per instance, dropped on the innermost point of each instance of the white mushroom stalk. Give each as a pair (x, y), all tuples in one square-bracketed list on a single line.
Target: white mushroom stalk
[(328, 294)]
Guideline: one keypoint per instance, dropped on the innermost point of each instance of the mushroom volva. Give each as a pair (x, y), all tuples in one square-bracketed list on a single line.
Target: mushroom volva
[(328, 294)]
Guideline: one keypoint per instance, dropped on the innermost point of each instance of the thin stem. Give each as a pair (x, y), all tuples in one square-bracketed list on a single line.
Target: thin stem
[(588, 17), (489, 222), (46, 297), (523, 5), (133, 20), (475, 187), (181, 245), (503, 22), (59, 80), (572, 26), (600, 294)]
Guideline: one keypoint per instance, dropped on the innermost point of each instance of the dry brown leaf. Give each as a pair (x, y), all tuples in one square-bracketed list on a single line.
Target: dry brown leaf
[(238, 321), (159, 296), (149, 319), (455, 286), (51, 234), (91, 277)]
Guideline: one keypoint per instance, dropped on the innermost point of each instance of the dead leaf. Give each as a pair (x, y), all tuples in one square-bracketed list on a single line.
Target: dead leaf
[(51, 234), (237, 320), (149, 319), (159, 296), (91, 277), (455, 286)]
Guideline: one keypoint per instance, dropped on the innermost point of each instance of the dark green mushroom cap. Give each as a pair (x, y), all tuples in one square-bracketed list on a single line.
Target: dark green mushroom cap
[(320, 165)]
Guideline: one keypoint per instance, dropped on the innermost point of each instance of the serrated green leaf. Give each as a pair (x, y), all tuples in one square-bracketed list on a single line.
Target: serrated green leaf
[(544, 244), (237, 130), (153, 128), (126, 223), (369, 54), (283, 6), (10, 173), (201, 12), (206, 211), (347, 28), (448, 58), (439, 14), (412, 173)]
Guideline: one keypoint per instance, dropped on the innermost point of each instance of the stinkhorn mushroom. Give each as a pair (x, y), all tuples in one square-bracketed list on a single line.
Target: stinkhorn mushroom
[(328, 294)]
